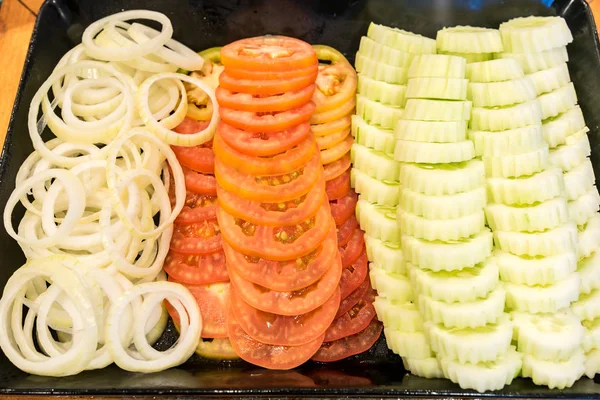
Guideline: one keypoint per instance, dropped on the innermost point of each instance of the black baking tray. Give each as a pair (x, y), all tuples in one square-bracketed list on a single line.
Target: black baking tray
[(338, 23)]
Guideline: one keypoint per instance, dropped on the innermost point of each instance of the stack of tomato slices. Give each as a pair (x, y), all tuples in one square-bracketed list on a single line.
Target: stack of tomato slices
[(355, 328)]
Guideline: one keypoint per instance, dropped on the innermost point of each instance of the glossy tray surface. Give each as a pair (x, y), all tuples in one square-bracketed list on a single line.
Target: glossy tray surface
[(201, 24)]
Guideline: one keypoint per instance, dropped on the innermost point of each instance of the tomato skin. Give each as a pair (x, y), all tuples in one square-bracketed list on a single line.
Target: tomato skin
[(263, 144), (332, 127), (263, 242), (350, 345), (265, 355), (339, 187), (283, 163), (198, 238), (354, 297), (329, 141), (354, 275), (196, 269), (271, 75), (276, 103), (338, 151), (247, 187), (288, 303), (278, 330), (336, 168), (200, 183), (346, 231), (353, 321), (351, 251), (269, 88), (272, 122), (284, 276), (197, 158), (343, 208), (346, 109)]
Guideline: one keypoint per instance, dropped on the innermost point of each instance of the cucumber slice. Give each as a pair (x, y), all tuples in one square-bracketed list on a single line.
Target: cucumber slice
[(464, 286), (437, 66), (470, 57), (587, 308), (557, 129), (400, 39), (499, 94), (494, 71), (384, 193), (484, 376), (554, 374), (448, 256), (437, 88), (548, 337), (579, 180), (373, 137), (533, 62), (589, 272), (537, 217), (471, 345), (431, 131), (550, 79), (558, 101), (376, 113), (509, 142), (412, 345), (539, 187), (383, 92), (443, 230), (548, 243), (504, 118), (592, 363), (390, 285), (534, 34), (585, 207), (589, 237), (437, 110), (543, 299), (404, 317), (384, 54), (531, 271), (469, 39), (573, 153), (591, 339), (375, 164), (378, 221), (438, 180), (380, 72), (385, 255), (428, 368), (516, 165), (443, 207), (433, 153)]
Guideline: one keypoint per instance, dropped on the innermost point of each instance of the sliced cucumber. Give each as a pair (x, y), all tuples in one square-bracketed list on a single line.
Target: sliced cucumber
[(412, 345), (589, 237), (431, 131), (470, 57), (550, 79), (500, 94), (587, 308), (376, 113), (401, 40), (591, 339), (573, 153), (554, 374), (385, 255), (516, 165), (589, 272), (384, 54), (509, 142), (384, 193), (443, 207), (375, 164), (536, 188), (373, 137), (433, 153), (543, 299), (438, 180), (534, 34), (437, 110), (558, 101), (530, 218), (557, 129), (437, 88), (504, 118), (443, 230), (548, 243), (531, 271), (380, 72), (437, 66), (378, 221), (585, 207), (428, 368), (404, 317), (383, 92), (494, 71), (533, 62), (579, 180), (469, 39), (389, 285), (592, 363)]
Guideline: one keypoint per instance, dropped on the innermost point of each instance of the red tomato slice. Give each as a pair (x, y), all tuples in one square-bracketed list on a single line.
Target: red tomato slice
[(275, 243), (278, 330), (196, 269), (189, 125), (263, 144), (354, 275), (273, 214), (289, 275), (213, 301), (336, 168), (271, 189), (268, 356), (268, 53), (327, 142), (343, 208), (339, 187), (271, 75), (283, 163), (197, 207), (200, 183), (338, 151), (346, 231), (198, 158), (350, 345), (352, 321), (288, 303), (271, 88), (267, 122), (353, 249), (199, 238), (353, 298), (275, 103), (329, 128), (342, 111)]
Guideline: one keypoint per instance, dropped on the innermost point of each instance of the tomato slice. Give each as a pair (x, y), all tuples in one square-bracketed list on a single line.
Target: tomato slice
[(274, 103), (351, 251), (278, 188), (336, 82), (276, 243), (288, 275), (273, 214), (354, 275), (197, 158), (337, 168), (353, 321), (199, 238), (288, 303), (278, 330), (189, 125), (266, 88), (283, 163), (346, 231), (272, 75), (213, 301), (342, 111), (267, 122), (329, 141), (216, 349), (200, 183), (268, 356), (350, 345), (338, 151), (343, 208), (328, 128), (196, 269), (263, 144), (268, 53), (353, 298), (339, 187), (197, 207)]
